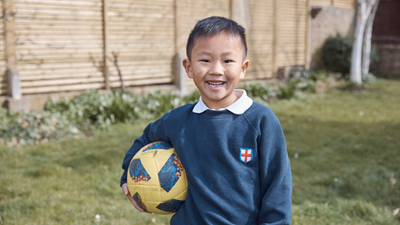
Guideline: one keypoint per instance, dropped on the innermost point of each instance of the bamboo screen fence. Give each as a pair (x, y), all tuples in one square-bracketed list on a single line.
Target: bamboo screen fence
[(64, 45)]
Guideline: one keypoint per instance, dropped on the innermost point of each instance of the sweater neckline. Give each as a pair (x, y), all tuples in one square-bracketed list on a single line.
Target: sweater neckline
[(212, 114)]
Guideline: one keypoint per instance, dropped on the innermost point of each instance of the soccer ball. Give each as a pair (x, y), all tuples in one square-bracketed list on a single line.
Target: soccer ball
[(156, 179)]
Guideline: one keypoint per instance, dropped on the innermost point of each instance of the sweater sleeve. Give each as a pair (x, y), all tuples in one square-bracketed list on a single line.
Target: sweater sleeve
[(275, 174), (155, 131)]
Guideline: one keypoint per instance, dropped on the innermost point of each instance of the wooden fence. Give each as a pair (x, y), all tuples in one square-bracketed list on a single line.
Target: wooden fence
[(63, 45)]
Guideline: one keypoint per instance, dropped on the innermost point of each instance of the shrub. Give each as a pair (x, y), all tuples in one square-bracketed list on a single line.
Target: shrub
[(298, 73), (287, 91), (155, 104), (80, 115), (336, 54), (100, 109), (259, 91), (192, 97), (323, 75), (301, 77), (36, 127), (368, 78)]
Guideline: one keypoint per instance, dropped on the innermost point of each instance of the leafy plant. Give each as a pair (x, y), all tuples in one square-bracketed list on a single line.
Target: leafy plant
[(323, 75), (368, 78), (96, 109), (336, 54), (192, 97), (288, 90), (155, 104), (259, 91), (307, 86), (298, 73), (124, 107), (36, 127)]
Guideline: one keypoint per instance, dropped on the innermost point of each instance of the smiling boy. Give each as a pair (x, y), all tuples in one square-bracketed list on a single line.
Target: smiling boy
[(216, 64), (233, 149)]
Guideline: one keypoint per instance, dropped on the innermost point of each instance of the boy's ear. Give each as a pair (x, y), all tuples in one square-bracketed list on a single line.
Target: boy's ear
[(188, 67), (244, 68)]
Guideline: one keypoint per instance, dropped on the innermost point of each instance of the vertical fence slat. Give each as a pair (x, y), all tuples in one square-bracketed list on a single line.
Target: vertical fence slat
[(105, 45), (14, 89), (276, 36), (307, 39)]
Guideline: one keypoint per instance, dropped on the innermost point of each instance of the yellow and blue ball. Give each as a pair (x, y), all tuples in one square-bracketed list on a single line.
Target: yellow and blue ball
[(156, 178)]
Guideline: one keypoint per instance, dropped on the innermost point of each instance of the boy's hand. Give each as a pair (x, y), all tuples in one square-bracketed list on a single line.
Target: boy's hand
[(128, 195)]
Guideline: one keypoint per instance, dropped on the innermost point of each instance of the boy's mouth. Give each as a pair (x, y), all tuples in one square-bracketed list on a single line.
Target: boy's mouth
[(215, 83)]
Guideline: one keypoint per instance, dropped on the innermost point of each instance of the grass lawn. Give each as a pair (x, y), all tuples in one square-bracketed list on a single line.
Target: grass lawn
[(348, 147)]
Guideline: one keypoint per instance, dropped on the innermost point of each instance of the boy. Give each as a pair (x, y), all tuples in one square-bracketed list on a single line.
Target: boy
[(233, 149)]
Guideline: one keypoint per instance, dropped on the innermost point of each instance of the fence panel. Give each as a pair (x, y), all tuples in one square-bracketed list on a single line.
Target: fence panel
[(143, 34), (292, 32), (189, 12), (60, 43), (260, 40), (321, 2), (345, 3)]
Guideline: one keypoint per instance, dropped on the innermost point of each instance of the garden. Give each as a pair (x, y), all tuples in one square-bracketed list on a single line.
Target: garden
[(343, 145), (62, 165)]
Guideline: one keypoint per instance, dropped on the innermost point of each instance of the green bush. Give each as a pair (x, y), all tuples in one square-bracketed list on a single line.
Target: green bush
[(298, 73), (336, 54), (124, 107), (302, 78), (100, 109), (36, 127), (259, 91), (368, 78), (323, 75), (288, 90), (95, 109), (192, 97), (155, 104), (103, 109)]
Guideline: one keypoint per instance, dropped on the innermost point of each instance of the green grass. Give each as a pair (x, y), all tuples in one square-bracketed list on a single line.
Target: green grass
[(348, 145)]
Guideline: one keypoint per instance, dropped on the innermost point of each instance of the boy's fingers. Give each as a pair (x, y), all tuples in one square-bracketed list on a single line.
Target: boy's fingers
[(125, 189), (136, 205), (128, 195)]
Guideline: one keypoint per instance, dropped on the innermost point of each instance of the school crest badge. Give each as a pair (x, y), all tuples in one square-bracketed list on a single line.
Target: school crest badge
[(246, 154)]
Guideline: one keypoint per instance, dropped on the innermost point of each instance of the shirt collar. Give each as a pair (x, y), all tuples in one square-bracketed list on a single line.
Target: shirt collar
[(238, 107)]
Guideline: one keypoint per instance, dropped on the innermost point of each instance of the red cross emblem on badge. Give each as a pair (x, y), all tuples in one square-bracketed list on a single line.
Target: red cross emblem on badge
[(246, 154)]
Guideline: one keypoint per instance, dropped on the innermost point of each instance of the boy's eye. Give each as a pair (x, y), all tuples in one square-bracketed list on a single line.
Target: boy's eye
[(205, 60), (228, 61)]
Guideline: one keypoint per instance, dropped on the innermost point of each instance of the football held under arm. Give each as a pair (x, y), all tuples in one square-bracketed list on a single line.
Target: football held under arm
[(155, 131)]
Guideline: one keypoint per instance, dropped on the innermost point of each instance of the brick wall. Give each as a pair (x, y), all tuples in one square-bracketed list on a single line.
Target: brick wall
[(389, 59)]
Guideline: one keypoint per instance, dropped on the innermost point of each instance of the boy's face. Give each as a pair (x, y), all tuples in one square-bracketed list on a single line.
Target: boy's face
[(216, 67)]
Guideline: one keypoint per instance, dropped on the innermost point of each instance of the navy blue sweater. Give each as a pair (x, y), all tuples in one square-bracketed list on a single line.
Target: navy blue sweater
[(237, 166)]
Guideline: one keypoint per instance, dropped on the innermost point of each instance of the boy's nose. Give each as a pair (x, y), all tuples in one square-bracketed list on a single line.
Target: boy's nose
[(216, 69)]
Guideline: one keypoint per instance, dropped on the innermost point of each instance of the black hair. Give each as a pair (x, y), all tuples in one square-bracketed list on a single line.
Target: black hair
[(214, 25)]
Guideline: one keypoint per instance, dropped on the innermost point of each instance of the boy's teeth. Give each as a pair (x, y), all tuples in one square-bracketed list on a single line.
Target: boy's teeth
[(215, 83)]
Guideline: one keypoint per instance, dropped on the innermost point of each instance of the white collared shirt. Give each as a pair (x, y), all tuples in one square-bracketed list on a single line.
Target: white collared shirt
[(238, 107)]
